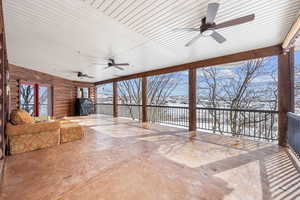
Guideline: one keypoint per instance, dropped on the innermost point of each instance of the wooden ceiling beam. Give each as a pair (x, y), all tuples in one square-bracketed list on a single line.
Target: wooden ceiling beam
[(246, 55), (292, 35)]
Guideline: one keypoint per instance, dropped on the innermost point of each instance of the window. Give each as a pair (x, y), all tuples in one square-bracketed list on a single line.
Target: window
[(44, 101), (36, 99), (83, 93), (27, 98)]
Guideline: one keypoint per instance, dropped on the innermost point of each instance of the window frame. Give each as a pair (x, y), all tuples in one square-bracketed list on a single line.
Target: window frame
[(36, 86), (81, 90)]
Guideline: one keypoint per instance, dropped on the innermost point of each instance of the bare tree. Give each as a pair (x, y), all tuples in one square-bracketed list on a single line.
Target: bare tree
[(27, 98), (160, 88), (237, 91), (130, 96)]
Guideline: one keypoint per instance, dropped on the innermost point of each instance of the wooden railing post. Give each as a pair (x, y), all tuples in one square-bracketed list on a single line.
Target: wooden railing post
[(192, 99), (144, 99), (115, 99), (286, 95)]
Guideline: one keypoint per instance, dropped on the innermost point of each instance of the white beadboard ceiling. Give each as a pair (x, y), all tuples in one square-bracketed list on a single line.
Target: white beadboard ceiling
[(64, 36)]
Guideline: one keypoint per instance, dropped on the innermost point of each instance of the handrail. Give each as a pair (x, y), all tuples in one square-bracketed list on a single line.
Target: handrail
[(163, 106), (118, 104), (243, 110), (209, 108), (128, 105), (206, 108)]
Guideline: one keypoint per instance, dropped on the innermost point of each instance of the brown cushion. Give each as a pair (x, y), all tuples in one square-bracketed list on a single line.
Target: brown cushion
[(18, 117), (35, 128)]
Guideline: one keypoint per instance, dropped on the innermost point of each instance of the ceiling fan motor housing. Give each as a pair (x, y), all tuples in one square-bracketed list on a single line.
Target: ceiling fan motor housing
[(206, 29)]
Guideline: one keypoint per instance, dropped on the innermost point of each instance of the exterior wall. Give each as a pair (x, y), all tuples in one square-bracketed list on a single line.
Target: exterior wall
[(64, 91), (4, 93)]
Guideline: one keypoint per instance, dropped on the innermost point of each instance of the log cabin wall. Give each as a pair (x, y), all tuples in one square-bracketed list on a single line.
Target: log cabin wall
[(64, 91), (4, 92)]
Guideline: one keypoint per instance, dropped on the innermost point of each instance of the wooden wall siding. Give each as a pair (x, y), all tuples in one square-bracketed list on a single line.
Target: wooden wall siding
[(4, 96), (64, 91)]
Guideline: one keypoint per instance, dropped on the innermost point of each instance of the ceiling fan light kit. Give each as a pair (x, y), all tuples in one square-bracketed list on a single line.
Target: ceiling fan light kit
[(112, 64), (208, 26), (207, 33), (82, 75)]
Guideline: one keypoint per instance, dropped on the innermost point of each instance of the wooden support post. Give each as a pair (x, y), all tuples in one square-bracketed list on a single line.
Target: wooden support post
[(115, 99), (192, 99), (144, 99), (286, 95)]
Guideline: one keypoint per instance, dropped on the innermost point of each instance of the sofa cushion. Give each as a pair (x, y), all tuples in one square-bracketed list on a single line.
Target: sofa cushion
[(31, 142), (18, 117), (35, 128), (70, 132)]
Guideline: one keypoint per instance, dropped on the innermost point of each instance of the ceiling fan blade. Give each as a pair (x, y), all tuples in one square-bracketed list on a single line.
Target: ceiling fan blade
[(218, 37), (107, 67), (120, 68), (193, 40), (212, 10), (121, 64), (186, 29), (90, 76), (234, 22)]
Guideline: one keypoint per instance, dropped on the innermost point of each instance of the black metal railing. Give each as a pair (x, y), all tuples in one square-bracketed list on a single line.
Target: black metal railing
[(261, 124), (294, 133), (251, 123), (130, 111), (124, 110), (170, 115), (104, 108)]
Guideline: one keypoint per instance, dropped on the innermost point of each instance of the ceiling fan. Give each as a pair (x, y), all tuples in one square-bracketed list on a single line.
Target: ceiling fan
[(111, 63), (209, 27), (82, 75)]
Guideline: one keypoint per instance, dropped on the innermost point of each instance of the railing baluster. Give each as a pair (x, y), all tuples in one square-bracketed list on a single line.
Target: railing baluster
[(265, 124), (249, 123), (254, 125), (259, 118), (272, 121)]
